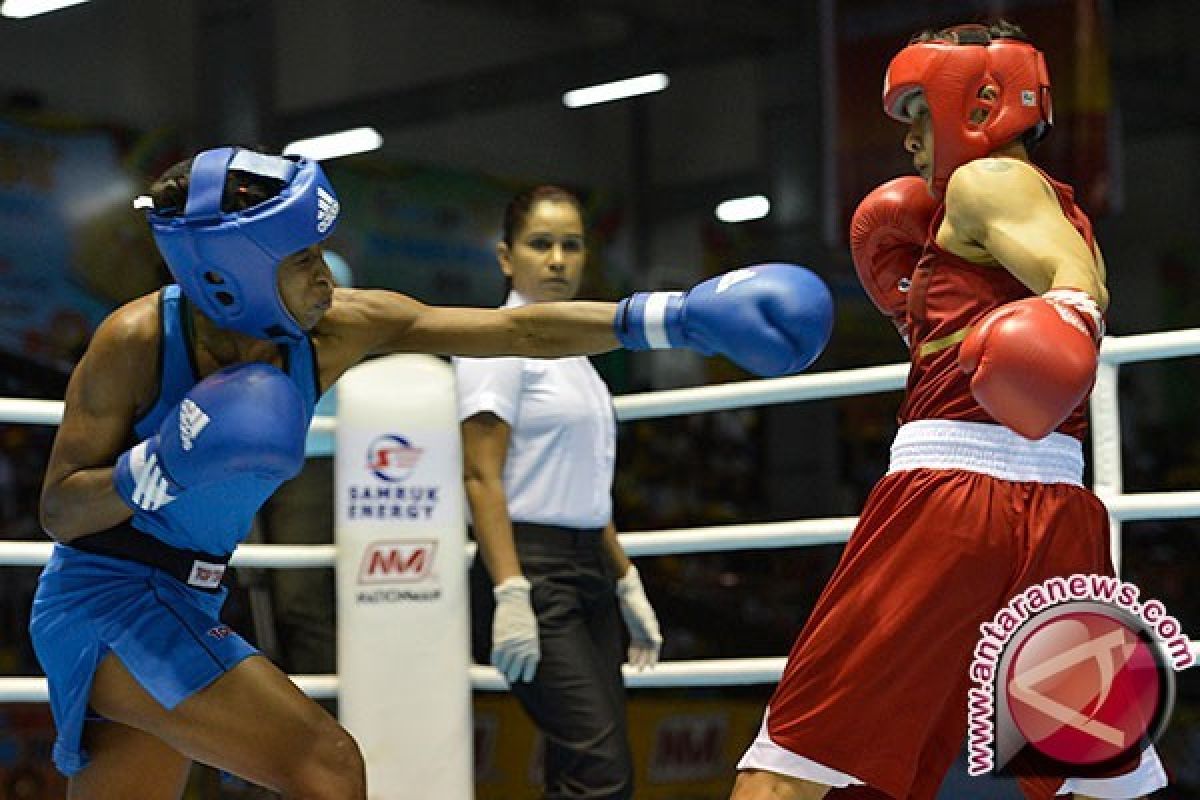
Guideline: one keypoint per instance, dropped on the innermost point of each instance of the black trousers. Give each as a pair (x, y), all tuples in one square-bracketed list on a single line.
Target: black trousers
[(577, 697)]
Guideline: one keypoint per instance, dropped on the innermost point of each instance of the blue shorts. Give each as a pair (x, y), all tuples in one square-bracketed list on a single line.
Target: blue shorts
[(168, 636)]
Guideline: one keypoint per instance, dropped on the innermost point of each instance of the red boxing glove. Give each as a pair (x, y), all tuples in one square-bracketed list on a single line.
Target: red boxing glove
[(887, 237), (1032, 362)]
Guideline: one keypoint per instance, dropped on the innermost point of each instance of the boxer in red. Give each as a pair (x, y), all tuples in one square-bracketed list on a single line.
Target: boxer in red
[(991, 274)]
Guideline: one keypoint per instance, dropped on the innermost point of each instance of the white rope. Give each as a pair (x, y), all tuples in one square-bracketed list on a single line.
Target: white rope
[(796, 533), (1150, 346), (1154, 505), (813, 386), (767, 535), (33, 690), (30, 412), (667, 674)]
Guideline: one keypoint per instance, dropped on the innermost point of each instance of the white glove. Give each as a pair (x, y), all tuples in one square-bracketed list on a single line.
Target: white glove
[(515, 649), (645, 640)]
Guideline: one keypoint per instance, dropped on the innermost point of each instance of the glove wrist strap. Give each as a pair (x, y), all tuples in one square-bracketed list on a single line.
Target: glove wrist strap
[(650, 321), (1085, 310)]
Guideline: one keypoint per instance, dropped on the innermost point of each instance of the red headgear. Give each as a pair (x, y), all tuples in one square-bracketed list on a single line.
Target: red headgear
[(952, 74)]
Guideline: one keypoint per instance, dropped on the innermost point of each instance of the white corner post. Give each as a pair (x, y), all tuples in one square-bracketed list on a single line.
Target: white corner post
[(403, 658)]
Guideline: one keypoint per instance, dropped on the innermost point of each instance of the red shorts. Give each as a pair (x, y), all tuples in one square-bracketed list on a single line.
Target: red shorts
[(876, 684)]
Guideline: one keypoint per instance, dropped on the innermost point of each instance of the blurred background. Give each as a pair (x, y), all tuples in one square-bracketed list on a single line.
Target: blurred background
[(777, 101)]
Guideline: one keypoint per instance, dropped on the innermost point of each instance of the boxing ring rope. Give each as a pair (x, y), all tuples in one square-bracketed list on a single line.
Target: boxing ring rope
[(1106, 445)]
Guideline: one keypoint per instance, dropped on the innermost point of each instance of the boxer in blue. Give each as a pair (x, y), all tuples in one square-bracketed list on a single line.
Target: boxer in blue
[(190, 408)]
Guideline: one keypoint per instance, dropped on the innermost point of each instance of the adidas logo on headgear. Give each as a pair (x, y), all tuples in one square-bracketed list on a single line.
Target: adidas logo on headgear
[(327, 210)]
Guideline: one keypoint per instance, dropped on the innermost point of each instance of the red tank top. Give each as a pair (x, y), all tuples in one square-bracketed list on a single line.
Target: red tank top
[(949, 295)]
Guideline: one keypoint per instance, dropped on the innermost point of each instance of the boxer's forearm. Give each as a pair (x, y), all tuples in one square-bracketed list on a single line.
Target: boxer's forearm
[(82, 503), (553, 330)]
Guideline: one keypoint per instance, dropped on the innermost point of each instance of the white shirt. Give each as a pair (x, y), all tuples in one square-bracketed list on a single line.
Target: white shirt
[(563, 443)]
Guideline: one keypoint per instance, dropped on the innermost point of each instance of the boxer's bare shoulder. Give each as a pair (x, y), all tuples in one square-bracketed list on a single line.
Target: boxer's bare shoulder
[(124, 354)]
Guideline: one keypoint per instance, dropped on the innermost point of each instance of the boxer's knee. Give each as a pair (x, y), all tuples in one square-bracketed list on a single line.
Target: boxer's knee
[(334, 768)]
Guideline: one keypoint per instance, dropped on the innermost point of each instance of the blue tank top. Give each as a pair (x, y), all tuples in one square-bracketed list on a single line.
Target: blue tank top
[(214, 518)]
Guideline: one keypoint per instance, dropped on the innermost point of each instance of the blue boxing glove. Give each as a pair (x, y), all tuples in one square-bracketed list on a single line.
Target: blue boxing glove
[(244, 419), (769, 319)]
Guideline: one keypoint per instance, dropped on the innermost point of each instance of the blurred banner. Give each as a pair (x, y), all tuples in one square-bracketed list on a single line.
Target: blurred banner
[(71, 247), (427, 232), (431, 232), (1072, 33)]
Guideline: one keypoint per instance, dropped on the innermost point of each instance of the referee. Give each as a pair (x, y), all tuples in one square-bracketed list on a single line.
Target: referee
[(539, 443)]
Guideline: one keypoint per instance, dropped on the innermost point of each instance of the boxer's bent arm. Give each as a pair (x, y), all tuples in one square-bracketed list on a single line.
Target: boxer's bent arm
[(485, 448), (1006, 207), (365, 322), (77, 494)]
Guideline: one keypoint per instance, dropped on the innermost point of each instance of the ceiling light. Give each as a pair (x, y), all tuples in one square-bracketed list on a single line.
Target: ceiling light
[(335, 145), (20, 9), (744, 209), (616, 90)]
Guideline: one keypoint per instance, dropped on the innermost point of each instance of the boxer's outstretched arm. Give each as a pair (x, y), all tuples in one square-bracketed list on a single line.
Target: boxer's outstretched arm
[(771, 319), (366, 322), (101, 401)]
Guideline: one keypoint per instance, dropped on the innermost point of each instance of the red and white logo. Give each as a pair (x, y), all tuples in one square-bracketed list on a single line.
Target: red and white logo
[(392, 458), (397, 561), (689, 747)]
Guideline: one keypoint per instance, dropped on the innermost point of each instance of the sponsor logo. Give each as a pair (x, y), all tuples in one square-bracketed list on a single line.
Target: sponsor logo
[(397, 561), (192, 421), (1028, 98), (327, 210), (392, 458), (220, 632), (206, 575), (387, 596), (398, 571), (392, 502), (689, 747)]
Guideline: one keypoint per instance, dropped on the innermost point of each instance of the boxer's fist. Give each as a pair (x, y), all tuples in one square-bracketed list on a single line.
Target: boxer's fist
[(245, 419), (770, 319), (887, 236), (1033, 361)]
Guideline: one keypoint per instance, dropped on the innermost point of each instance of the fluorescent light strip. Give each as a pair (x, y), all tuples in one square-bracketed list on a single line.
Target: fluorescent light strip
[(744, 209), (335, 145), (616, 90), (21, 9)]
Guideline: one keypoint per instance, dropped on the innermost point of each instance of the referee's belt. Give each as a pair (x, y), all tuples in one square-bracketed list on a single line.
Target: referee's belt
[(194, 568)]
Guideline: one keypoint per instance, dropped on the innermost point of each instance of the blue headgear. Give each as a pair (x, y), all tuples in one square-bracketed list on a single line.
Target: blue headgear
[(226, 262)]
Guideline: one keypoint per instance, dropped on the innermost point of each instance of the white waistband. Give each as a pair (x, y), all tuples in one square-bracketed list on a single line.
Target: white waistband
[(991, 449)]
